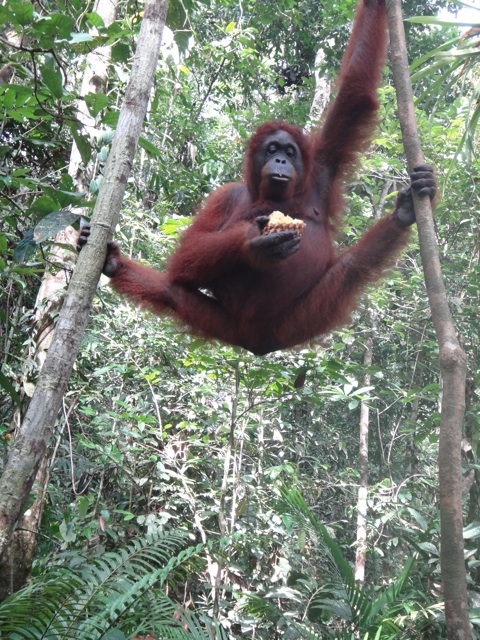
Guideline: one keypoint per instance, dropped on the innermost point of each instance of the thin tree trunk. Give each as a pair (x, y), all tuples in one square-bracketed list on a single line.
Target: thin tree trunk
[(361, 550), (452, 357), (323, 90), (222, 507), (30, 444)]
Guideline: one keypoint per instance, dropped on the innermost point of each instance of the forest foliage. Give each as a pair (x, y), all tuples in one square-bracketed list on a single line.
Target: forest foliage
[(196, 490)]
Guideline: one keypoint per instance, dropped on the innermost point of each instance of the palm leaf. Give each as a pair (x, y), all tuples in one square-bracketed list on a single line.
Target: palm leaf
[(452, 66), (343, 596)]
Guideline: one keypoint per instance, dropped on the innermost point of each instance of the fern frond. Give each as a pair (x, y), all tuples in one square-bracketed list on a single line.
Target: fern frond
[(113, 596)]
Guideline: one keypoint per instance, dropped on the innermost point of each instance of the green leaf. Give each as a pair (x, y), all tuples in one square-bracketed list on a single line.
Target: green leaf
[(43, 206), (120, 52), (9, 97), (53, 223), (78, 38), (429, 548), (26, 248), (110, 119), (82, 142), (22, 12), (94, 186), (95, 20), (6, 15), (67, 532), (59, 25), (182, 38), (149, 147), (103, 155), (51, 76), (472, 531), (96, 102), (83, 506), (8, 387), (419, 518), (440, 21)]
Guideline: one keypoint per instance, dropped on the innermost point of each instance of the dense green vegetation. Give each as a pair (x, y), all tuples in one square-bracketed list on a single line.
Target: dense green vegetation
[(193, 489)]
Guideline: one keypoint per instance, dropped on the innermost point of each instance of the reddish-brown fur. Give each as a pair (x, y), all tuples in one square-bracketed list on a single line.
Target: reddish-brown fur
[(268, 307)]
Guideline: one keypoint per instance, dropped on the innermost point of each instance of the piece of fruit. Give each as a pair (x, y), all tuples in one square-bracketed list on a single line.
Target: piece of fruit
[(279, 222)]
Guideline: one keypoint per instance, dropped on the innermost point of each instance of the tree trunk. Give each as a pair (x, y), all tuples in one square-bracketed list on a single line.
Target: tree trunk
[(452, 357), (29, 447), (16, 566), (361, 550), (222, 507), (49, 299)]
